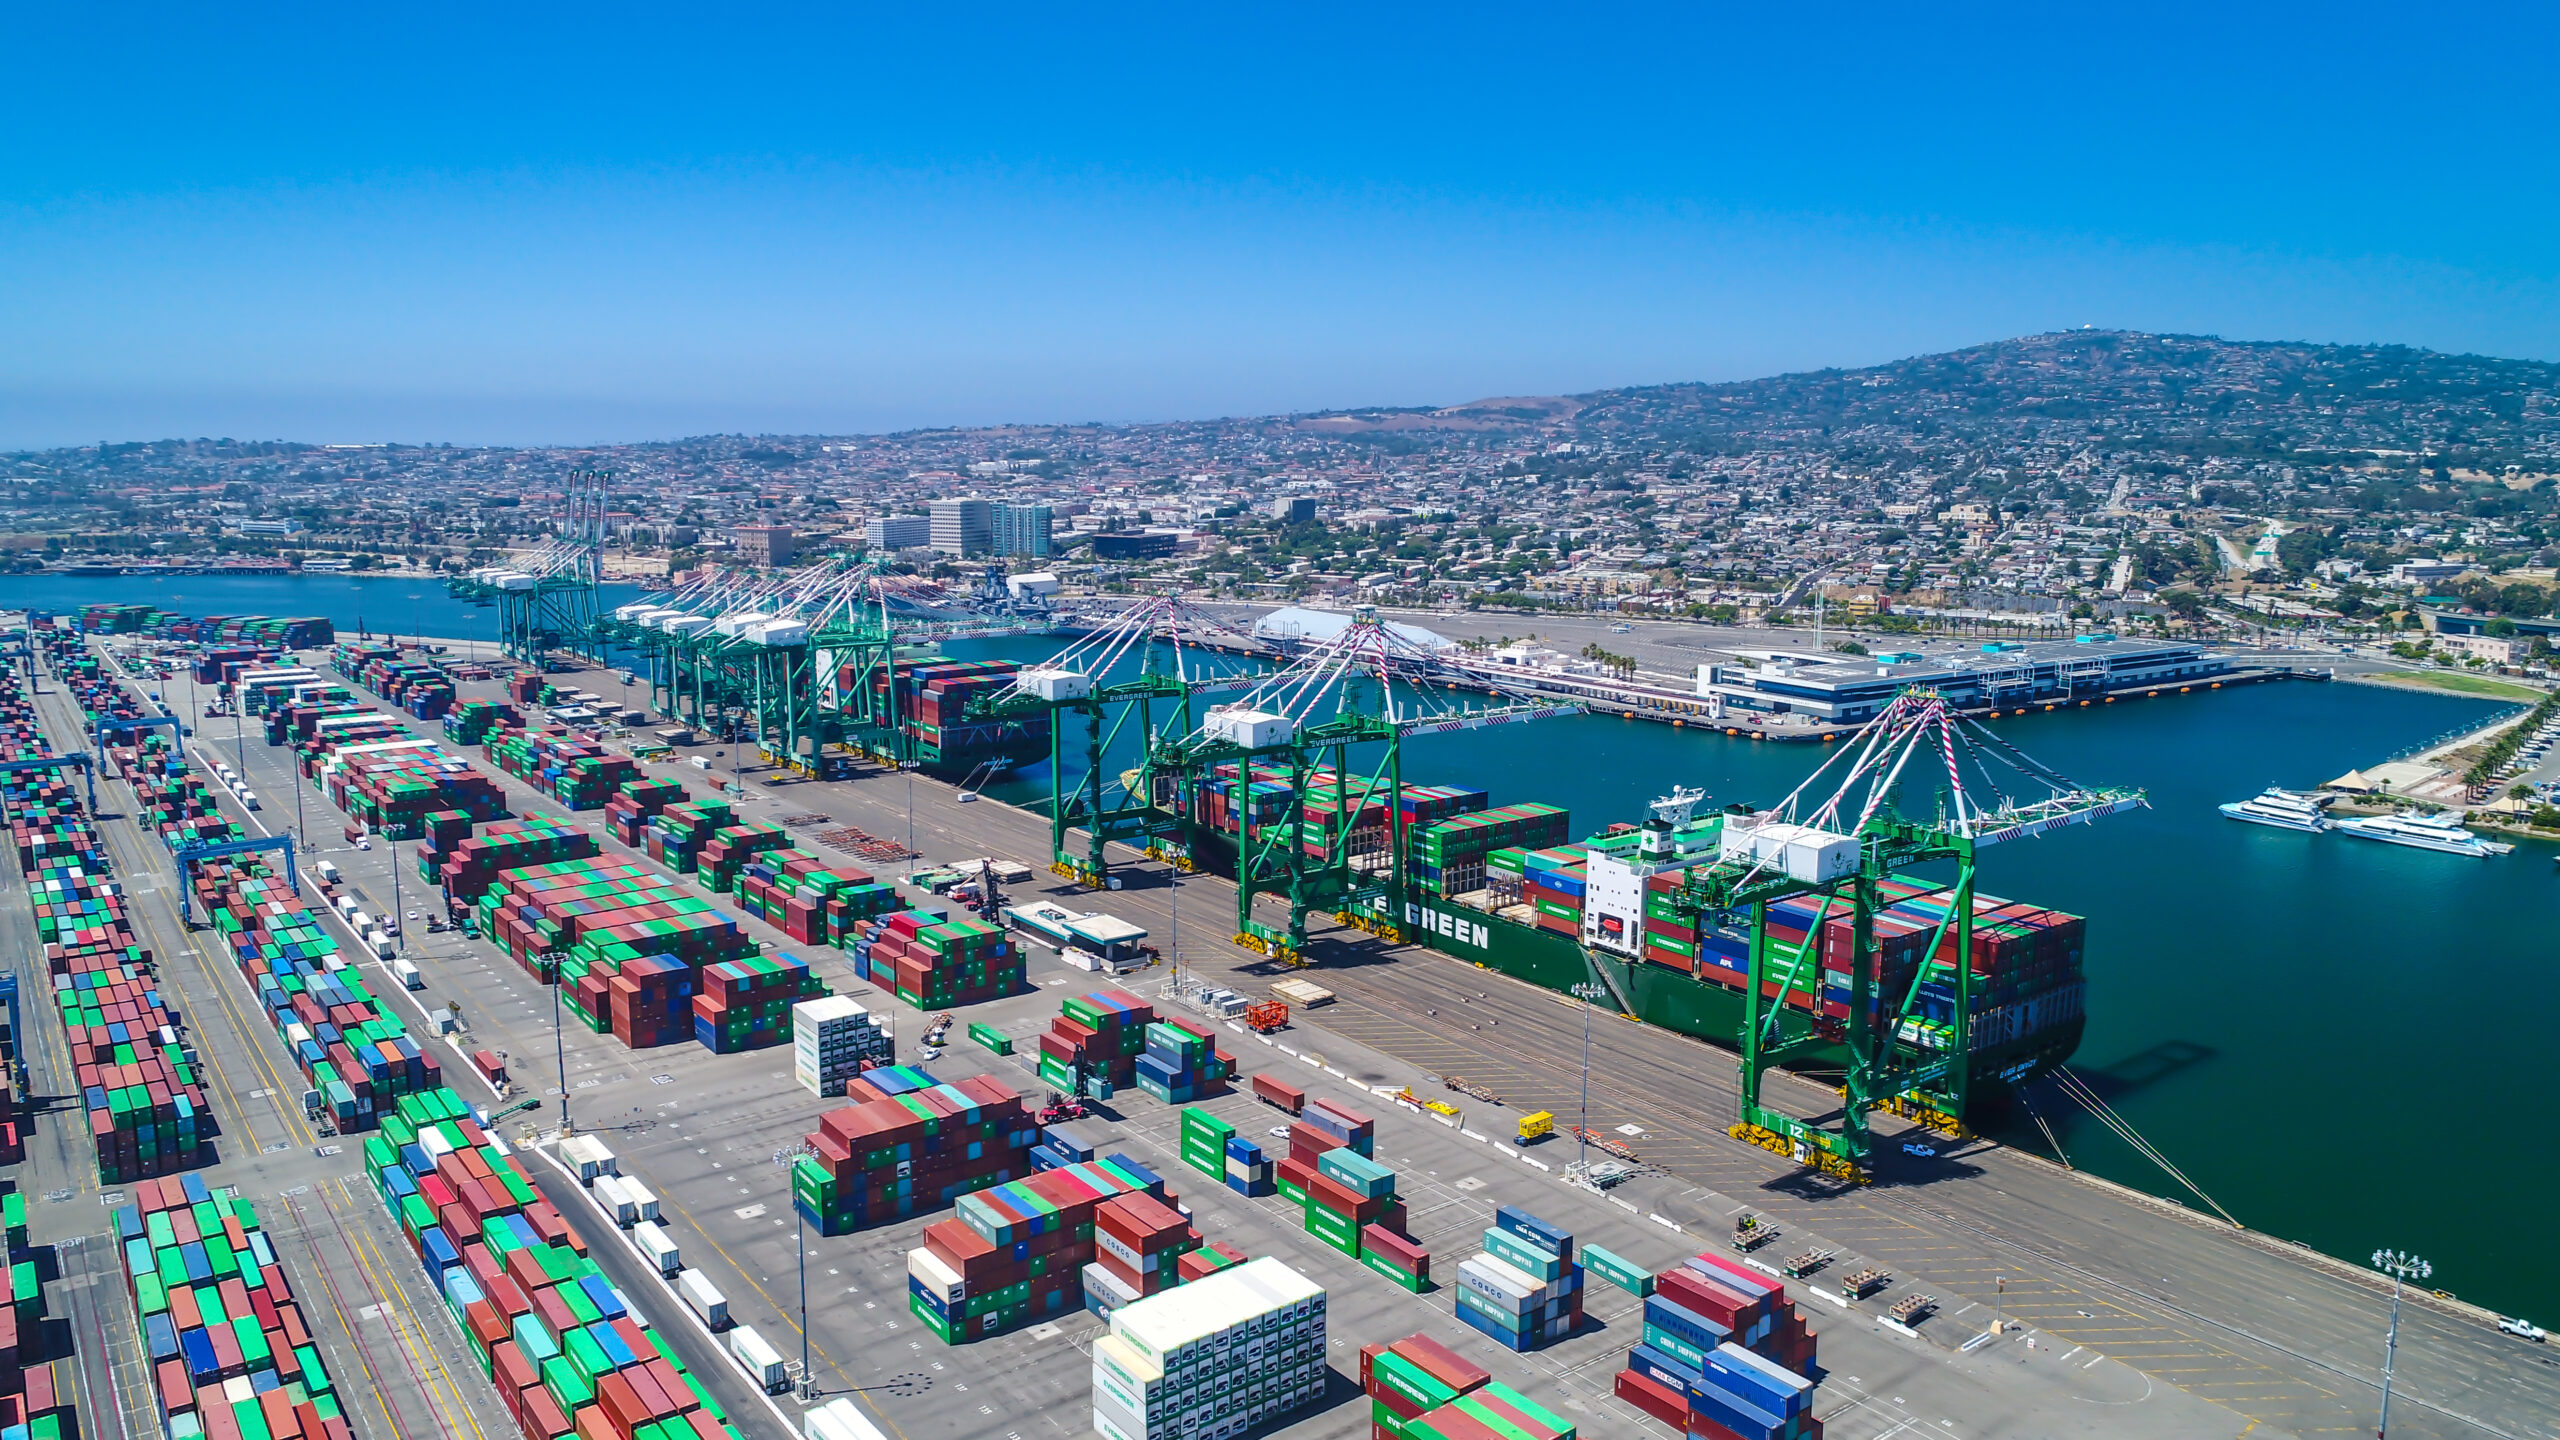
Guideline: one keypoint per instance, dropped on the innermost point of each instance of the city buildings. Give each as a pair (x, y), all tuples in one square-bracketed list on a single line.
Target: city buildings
[(767, 545), (897, 532), (963, 527), (1021, 530), (2050, 485)]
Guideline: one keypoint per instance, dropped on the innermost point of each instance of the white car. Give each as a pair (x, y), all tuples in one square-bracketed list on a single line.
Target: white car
[(2524, 1329)]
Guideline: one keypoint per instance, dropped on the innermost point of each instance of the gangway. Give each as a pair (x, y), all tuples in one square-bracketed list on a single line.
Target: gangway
[(190, 855)]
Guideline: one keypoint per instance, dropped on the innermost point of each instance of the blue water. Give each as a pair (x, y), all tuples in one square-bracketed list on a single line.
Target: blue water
[(354, 603), (2340, 1041)]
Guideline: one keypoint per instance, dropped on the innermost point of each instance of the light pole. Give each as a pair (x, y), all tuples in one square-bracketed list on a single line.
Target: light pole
[(785, 1159), (399, 931), (2402, 1267), (1582, 1131), (559, 1038)]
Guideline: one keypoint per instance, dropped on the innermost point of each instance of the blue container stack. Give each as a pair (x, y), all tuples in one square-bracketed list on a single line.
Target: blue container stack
[(1525, 1289), (1063, 1144), (1249, 1170), (1179, 1065), (1724, 1356)]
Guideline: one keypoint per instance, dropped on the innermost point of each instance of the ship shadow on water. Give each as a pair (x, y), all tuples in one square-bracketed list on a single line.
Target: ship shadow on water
[(2145, 1068)]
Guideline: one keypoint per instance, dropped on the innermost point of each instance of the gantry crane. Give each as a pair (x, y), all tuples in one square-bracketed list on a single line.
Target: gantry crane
[(546, 598), (1369, 684), (1840, 850)]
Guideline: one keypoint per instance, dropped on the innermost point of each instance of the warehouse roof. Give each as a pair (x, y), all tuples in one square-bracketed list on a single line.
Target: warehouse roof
[(1296, 622)]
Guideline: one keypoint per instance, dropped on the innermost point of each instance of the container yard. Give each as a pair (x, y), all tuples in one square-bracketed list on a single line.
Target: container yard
[(716, 1121)]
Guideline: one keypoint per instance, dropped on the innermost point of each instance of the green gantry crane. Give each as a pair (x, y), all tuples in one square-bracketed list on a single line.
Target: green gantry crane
[(1768, 858), (546, 600)]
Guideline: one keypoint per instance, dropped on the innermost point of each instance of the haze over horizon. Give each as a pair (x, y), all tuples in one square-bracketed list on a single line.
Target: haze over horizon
[(617, 225)]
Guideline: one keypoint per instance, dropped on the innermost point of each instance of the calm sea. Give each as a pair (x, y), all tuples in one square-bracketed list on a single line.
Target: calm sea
[(356, 604)]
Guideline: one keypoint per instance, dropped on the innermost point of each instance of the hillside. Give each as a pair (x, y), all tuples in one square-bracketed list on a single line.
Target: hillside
[(2179, 393)]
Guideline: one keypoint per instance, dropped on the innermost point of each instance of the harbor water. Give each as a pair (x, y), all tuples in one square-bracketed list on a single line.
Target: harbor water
[(357, 604), (2337, 1040)]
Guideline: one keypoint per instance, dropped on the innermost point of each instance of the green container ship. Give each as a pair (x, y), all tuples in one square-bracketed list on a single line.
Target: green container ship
[(1501, 888)]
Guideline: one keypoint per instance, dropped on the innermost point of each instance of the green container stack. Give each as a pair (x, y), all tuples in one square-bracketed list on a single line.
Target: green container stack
[(1204, 1143), (1452, 856)]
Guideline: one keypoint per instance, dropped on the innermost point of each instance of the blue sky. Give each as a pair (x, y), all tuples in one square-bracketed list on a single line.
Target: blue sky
[(624, 222)]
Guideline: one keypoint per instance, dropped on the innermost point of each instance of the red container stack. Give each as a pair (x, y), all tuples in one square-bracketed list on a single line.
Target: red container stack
[(627, 813)]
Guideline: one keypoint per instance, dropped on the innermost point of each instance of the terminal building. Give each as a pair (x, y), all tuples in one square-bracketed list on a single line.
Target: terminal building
[(1848, 689)]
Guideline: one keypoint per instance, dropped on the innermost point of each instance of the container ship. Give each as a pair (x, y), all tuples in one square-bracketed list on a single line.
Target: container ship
[(941, 706), (263, 631), (1503, 887)]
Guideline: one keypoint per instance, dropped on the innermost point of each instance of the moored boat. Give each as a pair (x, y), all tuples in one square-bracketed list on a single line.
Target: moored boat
[(2422, 832)]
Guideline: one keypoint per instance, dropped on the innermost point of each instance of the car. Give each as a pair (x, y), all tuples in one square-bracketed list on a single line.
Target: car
[(1925, 1152), (2525, 1329)]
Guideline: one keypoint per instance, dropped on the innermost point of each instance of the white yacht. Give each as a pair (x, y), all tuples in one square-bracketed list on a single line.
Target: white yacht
[(2425, 832), (2284, 809)]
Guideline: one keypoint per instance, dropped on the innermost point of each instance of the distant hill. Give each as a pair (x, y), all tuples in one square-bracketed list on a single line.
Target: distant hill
[(2122, 388)]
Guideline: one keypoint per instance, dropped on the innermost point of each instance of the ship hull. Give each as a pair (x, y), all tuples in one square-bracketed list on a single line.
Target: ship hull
[(1700, 1008), (2419, 842), (2249, 817)]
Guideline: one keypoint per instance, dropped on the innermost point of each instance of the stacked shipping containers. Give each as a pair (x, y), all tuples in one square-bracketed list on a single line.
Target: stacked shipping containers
[(1405, 1379), (809, 900), (580, 774), (1016, 1251), (832, 1040), (223, 1337), (1525, 1289), (678, 832), (1096, 1037), (1229, 1353), (746, 1003), (146, 1109), (1181, 1063), (909, 1143), (1138, 1245), (1449, 856), (628, 812), (942, 965), (470, 866), (358, 1055), (546, 1327), (1724, 1356), (542, 1321), (1552, 884)]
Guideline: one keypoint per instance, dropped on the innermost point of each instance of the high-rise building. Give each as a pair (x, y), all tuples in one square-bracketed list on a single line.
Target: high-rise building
[(964, 527), (1294, 509), (764, 544), (1022, 530), (897, 532)]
